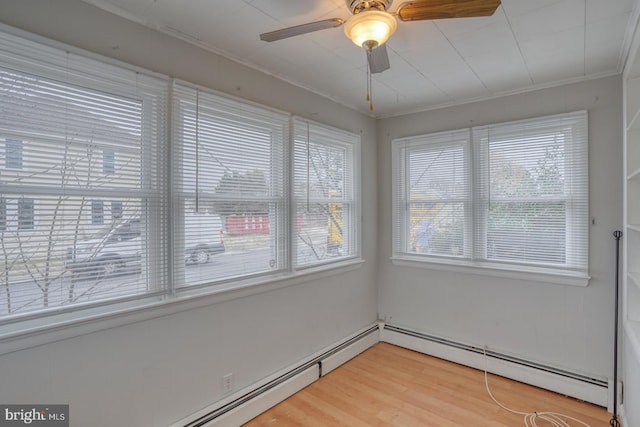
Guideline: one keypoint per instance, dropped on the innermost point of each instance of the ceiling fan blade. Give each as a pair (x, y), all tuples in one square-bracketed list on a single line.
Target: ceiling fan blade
[(443, 9), (378, 59), (301, 29)]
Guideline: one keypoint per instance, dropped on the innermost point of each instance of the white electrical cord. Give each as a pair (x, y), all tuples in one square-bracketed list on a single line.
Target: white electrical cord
[(531, 418)]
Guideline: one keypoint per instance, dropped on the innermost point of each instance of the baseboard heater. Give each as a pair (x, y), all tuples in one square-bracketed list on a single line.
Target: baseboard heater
[(587, 388), (316, 367)]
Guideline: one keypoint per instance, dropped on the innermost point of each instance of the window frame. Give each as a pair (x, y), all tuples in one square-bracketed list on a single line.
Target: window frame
[(350, 144), (475, 256), (401, 186), (199, 103), (32, 199)]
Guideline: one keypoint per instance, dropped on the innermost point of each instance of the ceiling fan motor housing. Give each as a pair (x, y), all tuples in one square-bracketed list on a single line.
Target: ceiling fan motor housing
[(357, 6)]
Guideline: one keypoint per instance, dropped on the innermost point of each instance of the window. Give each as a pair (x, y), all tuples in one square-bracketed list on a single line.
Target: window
[(108, 162), (97, 212), (16, 215), (13, 153), (231, 178), (116, 210), (225, 214), (326, 207), (505, 196), (67, 108), (25, 214)]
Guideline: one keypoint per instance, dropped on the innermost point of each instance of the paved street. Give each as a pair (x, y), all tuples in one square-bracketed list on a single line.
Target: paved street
[(27, 296)]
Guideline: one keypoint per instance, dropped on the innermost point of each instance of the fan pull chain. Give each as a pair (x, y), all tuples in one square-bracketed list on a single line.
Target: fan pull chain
[(369, 96), (370, 93)]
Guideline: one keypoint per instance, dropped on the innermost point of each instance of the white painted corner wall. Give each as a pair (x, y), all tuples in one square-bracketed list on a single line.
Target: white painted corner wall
[(159, 370), (257, 398), (554, 324), (239, 408)]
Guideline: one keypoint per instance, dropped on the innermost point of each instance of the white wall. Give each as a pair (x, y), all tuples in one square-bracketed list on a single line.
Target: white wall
[(157, 371), (563, 326), (160, 370), (628, 336), (631, 379)]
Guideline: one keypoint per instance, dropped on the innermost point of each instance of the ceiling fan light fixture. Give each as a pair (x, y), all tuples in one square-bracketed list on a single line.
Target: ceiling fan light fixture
[(370, 27)]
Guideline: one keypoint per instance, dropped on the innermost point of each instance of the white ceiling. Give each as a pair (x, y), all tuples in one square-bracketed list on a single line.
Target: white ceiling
[(526, 44)]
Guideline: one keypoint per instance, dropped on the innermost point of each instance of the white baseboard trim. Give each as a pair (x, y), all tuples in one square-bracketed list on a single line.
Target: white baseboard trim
[(251, 401), (343, 356), (259, 404), (594, 392)]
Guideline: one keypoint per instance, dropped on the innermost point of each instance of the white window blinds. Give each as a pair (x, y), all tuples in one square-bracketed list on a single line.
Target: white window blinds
[(511, 194), (325, 193), (534, 187), (59, 112), (230, 180), (432, 196), (97, 207)]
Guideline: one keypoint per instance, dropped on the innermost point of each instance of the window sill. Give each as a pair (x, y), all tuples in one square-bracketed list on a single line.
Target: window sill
[(545, 275), (241, 288), (23, 334)]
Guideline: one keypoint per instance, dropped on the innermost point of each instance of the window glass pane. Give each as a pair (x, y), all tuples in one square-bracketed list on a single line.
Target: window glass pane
[(526, 220), (437, 228), (70, 260), (97, 212), (532, 232), (116, 210), (108, 162), (527, 166), (319, 232), (25, 214), (13, 153), (437, 194)]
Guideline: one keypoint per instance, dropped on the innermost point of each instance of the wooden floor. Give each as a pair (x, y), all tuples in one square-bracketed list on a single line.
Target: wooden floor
[(392, 386)]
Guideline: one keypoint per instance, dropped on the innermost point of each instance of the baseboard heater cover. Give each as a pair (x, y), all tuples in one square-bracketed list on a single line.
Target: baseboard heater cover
[(572, 384), (255, 401)]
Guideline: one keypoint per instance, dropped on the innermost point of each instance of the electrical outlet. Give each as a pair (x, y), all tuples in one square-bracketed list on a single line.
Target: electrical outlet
[(227, 383)]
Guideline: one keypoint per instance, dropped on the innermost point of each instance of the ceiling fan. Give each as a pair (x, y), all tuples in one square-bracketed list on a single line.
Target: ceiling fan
[(371, 24)]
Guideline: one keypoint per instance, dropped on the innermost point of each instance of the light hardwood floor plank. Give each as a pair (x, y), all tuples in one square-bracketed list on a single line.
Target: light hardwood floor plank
[(392, 386)]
